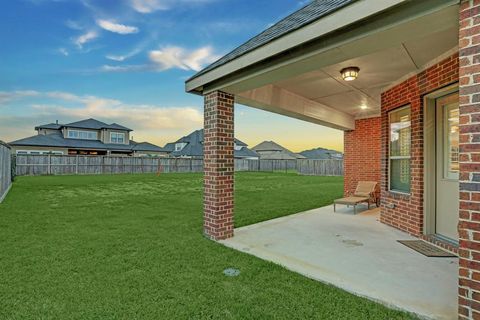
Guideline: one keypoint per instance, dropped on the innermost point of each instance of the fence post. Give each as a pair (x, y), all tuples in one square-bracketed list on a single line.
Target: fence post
[(49, 168), (76, 164)]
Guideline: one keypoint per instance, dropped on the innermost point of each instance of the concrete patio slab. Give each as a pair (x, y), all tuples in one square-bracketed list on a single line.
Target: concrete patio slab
[(356, 253)]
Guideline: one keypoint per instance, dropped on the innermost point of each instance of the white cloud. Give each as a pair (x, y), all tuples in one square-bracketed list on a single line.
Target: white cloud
[(120, 58), (116, 27), (84, 38), (63, 51), (7, 96), (149, 6), (124, 68), (73, 25), (176, 57)]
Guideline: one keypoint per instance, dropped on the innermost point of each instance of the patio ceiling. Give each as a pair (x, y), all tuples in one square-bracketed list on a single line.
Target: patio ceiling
[(305, 82)]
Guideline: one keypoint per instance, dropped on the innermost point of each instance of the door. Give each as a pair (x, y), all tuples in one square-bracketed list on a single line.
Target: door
[(447, 166)]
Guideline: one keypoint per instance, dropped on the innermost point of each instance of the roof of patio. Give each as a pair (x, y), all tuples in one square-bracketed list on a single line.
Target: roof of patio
[(293, 67), (308, 14)]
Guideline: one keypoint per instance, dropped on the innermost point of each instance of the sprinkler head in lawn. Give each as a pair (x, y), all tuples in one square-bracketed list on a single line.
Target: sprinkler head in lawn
[(231, 272)]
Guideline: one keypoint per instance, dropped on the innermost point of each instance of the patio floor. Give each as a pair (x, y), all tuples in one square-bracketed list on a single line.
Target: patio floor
[(356, 253)]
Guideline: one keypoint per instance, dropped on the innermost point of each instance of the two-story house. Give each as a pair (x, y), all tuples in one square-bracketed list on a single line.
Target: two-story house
[(191, 146), (86, 137)]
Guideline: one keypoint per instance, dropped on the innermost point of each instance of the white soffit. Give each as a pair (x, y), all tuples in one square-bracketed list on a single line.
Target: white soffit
[(378, 70)]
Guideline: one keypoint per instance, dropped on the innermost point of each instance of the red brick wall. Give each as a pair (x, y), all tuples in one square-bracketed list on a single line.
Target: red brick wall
[(362, 148), (469, 224), (407, 213), (218, 166)]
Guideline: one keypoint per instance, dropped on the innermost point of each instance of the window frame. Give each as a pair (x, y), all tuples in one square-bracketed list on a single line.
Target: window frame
[(390, 157), (179, 146), (447, 173), (116, 139), (78, 132)]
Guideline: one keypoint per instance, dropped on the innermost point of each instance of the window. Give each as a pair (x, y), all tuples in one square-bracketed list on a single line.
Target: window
[(117, 137), (180, 146), (38, 152), (399, 157), (79, 134), (451, 140)]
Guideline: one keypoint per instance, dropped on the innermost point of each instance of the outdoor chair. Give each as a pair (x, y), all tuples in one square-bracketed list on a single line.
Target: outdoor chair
[(365, 192)]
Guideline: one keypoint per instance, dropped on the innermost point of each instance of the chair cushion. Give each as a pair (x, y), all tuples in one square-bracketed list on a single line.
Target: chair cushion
[(351, 200)]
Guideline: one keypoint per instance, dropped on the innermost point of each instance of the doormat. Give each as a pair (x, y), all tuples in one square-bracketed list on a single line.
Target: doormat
[(426, 248)]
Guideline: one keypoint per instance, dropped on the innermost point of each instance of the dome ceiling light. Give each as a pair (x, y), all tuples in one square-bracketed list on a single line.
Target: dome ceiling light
[(350, 73)]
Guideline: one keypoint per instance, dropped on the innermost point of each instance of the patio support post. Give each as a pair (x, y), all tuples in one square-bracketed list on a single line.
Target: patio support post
[(218, 165), (469, 223)]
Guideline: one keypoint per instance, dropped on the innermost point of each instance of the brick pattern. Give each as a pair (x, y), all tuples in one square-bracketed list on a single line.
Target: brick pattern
[(218, 165), (362, 150), (407, 213), (440, 243), (469, 224)]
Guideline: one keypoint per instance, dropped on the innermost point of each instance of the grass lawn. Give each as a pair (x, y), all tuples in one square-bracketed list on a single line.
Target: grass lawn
[(131, 247)]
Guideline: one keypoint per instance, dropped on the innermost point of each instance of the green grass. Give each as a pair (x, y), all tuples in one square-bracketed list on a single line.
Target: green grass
[(131, 247)]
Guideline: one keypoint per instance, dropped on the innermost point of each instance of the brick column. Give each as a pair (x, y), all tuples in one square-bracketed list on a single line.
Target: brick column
[(469, 224), (218, 166)]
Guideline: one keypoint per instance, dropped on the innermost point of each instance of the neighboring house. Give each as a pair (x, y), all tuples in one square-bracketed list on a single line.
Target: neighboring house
[(86, 137), (191, 146), (402, 80), (269, 150), (322, 154)]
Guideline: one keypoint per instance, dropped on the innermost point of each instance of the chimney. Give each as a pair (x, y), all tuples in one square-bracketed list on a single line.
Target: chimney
[(56, 121)]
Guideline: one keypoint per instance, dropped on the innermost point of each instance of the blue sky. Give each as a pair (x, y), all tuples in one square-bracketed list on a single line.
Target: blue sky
[(126, 61)]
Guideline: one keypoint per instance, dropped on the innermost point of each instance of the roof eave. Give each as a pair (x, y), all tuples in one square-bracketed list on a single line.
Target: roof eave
[(354, 12)]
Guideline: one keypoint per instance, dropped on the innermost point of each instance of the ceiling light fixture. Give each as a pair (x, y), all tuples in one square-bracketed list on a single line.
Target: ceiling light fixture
[(350, 73), (363, 107)]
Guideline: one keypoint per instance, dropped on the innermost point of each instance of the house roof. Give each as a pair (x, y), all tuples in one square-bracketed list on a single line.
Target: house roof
[(57, 140), (194, 147), (322, 153), (4, 144), (169, 147), (306, 15), (52, 126), (145, 146), (276, 155), (95, 124), (273, 151), (246, 153)]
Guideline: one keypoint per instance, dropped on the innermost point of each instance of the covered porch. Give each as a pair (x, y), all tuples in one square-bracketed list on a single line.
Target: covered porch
[(409, 114), (358, 254)]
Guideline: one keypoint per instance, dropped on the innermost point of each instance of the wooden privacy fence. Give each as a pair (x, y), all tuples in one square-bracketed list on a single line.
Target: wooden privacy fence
[(5, 170), (265, 165), (329, 167), (70, 165), (63, 165)]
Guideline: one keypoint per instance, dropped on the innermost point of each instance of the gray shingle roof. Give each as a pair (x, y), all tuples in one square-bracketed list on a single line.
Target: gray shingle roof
[(52, 126), (306, 15), (95, 124), (194, 147), (273, 151), (246, 153), (145, 146), (57, 140), (321, 153)]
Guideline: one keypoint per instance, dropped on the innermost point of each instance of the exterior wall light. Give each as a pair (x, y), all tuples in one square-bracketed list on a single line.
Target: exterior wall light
[(350, 73)]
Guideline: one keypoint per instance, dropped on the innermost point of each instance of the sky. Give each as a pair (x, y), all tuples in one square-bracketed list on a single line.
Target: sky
[(126, 61)]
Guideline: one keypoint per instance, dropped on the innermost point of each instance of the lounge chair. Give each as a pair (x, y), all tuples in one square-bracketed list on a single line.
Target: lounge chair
[(365, 192)]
